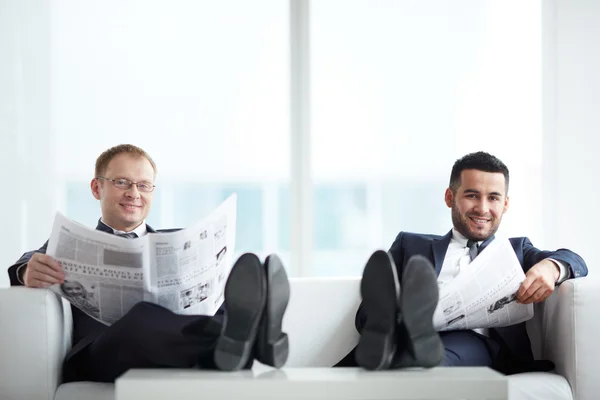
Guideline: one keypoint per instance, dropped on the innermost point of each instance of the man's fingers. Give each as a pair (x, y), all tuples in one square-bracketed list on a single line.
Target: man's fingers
[(525, 285), (46, 265), (47, 260), (537, 285), (39, 283), (529, 291), (536, 296), (544, 296), (59, 276), (42, 276)]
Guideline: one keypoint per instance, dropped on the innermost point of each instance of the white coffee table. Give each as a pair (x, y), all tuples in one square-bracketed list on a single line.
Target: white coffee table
[(314, 383)]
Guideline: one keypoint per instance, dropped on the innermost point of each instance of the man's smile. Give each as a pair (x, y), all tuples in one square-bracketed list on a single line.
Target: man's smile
[(130, 206), (479, 220)]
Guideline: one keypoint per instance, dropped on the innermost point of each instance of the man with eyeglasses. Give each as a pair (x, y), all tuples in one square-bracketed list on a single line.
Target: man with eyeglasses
[(247, 326)]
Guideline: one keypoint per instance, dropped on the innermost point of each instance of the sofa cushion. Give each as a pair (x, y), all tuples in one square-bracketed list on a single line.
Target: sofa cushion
[(539, 385), (85, 390)]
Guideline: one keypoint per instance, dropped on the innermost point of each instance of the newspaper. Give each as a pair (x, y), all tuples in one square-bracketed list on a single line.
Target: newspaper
[(483, 295), (184, 271)]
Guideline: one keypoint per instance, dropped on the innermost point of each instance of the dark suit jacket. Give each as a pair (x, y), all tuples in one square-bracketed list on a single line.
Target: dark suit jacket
[(434, 247), (85, 328)]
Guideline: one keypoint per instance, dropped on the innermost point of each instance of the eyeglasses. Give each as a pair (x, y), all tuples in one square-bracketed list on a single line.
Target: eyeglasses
[(124, 184)]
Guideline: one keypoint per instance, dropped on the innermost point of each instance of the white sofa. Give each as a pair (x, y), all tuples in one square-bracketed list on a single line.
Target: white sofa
[(36, 328)]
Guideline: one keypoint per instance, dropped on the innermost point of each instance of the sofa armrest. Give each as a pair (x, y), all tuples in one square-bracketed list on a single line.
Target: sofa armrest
[(34, 338), (568, 332)]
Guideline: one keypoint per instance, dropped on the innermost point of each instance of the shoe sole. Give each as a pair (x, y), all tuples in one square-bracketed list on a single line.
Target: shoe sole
[(272, 343), (419, 299), (245, 297), (380, 296)]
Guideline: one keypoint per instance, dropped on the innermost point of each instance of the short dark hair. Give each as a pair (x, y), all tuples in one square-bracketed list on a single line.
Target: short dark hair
[(106, 157), (480, 161)]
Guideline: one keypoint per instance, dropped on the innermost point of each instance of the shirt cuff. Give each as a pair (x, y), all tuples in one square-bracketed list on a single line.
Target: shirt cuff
[(19, 272), (565, 272)]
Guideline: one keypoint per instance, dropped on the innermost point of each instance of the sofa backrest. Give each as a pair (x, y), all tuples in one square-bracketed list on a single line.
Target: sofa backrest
[(320, 320)]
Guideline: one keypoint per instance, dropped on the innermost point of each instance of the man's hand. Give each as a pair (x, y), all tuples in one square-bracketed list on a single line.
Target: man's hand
[(43, 271), (539, 282)]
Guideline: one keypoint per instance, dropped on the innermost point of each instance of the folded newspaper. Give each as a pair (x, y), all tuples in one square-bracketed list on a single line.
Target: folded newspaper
[(184, 271), (483, 295)]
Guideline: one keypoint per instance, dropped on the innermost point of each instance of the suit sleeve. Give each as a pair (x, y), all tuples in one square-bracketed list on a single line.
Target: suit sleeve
[(397, 252), (15, 270), (533, 255)]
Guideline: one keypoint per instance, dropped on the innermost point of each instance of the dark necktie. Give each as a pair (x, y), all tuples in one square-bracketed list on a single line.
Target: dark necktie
[(129, 235), (473, 248)]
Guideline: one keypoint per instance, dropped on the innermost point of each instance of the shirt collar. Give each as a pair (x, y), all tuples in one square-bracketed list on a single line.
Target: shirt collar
[(141, 230), (461, 239)]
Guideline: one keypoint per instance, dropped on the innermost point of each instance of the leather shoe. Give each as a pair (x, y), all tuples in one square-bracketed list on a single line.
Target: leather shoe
[(245, 299), (380, 291), (422, 345), (272, 347)]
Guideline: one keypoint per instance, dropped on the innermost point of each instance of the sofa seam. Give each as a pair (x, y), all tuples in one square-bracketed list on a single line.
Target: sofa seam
[(48, 361), (575, 390)]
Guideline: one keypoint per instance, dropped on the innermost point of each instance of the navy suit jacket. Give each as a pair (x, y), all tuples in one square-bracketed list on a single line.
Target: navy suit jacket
[(85, 328), (434, 247)]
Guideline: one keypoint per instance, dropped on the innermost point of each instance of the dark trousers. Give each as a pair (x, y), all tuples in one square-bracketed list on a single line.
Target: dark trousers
[(468, 349), (461, 348), (148, 336)]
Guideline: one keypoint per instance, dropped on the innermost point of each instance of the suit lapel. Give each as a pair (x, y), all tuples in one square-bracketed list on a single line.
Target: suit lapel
[(104, 228), (439, 248), (483, 245)]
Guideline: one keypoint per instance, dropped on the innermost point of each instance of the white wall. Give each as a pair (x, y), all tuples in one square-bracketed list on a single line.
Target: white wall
[(26, 154), (572, 125), (571, 85)]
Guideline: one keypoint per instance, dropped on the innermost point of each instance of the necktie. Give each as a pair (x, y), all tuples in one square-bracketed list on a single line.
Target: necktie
[(473, 248), (129, 235)]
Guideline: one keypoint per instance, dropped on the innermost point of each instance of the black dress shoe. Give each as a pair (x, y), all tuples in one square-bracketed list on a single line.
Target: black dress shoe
[(511, 366), (245, 299), (380, 293), (422, 345), (272, 347)]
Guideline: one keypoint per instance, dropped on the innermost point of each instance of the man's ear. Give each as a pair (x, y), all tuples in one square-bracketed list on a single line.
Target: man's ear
[(95, 186), (506, 203), (449, 198)]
